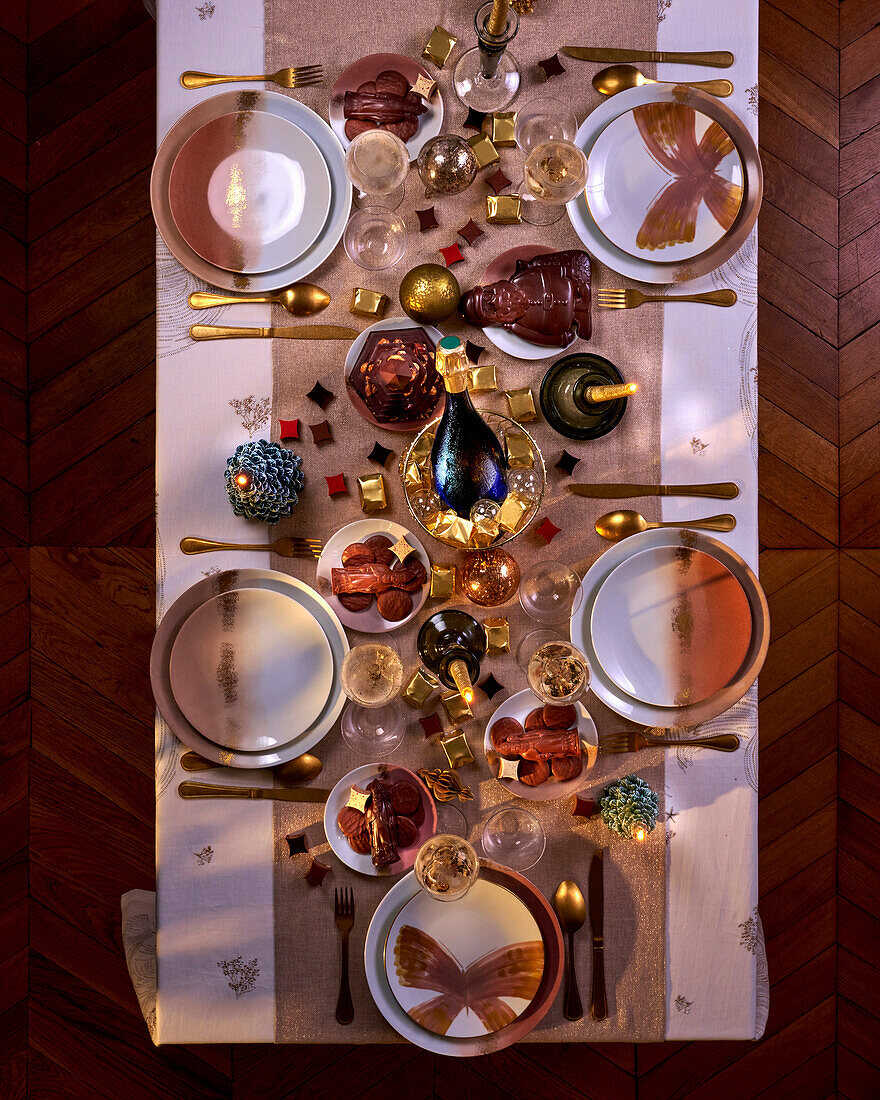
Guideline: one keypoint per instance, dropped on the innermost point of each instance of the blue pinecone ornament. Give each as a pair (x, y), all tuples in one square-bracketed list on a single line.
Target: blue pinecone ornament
[(629, 807), (263, 480)]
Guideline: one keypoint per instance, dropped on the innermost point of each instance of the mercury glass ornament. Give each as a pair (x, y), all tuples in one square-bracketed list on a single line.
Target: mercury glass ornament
[(429, 293), (425, 503), (484, 511), (524, 481), (447, 165), (489, 577)]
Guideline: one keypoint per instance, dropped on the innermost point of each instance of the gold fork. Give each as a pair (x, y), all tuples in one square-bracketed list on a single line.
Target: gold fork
[(631, 741), (630, 299), (343, 915), (303, 77), (285, 547)]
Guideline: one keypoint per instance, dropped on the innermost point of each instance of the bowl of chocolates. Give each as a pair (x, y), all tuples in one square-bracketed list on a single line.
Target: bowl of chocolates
[(540, 751), (374, 574), (377, 817)]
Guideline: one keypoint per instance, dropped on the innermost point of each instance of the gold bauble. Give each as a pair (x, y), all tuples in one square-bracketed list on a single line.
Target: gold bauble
[(429, 293), (489, 577)]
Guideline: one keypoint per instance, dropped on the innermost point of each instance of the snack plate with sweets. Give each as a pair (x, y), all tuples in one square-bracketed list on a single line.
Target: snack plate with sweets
[(405, 817), (546, 735), (397, 590)]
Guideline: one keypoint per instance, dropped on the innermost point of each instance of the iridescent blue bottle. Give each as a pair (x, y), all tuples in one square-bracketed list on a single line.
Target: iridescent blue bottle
[(467, 459)]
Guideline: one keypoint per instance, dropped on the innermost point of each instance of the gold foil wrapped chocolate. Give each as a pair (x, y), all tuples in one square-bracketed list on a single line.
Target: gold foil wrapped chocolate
[(513, 512), (445, 785), (368, 303), (457, 750), (501, 128), (439, 46), (421, 450), (520, 453), (497, 636), (484, 150), (504, 209), (420, 688), (458, 709), (521, 404), (424, 86), (416, 475), (485, 532), (444, 579), (450, 527), (371, 491), (483, 379)]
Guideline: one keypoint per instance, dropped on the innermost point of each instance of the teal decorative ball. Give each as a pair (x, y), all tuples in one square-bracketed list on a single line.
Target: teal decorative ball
[(629, 807), (263, 480)]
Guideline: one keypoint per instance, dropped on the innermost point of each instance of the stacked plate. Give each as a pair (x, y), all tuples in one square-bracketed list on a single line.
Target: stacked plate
[(249, 190), (674, 183), (245, 668), (675, 626)]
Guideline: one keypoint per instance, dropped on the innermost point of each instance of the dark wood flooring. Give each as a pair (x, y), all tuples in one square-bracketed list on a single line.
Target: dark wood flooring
[(77, 79)]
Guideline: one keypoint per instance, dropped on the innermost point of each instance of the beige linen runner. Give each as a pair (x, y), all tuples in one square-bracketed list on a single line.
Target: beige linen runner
[(306, 940)]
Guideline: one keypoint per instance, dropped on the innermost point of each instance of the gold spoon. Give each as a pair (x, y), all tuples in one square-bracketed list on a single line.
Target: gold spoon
[(301, 299), (615, 526), (617, 78), (571, 909), (299, 770)]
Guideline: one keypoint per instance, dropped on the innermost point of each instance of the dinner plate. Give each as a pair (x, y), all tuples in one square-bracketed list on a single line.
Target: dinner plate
[(249, 191), (285, 108), (617, 698), (671, 628), (665, 182), (494, 878), (251, 669), (519, 706), (368, 68), (176, 616), (338, 797), (369, 621), (650, 268)]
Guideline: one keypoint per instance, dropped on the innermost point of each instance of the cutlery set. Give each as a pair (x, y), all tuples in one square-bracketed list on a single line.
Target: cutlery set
[(571, 911)]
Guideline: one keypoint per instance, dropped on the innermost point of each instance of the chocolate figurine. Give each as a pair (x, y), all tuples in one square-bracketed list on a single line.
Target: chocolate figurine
[(382, 824), (546, 301)]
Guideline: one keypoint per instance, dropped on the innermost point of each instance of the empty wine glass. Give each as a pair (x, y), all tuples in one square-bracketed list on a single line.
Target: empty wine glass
[(514, 837), (377, 163), (544, 119), (555, 173), (446, 867), (374, 238), (371, 677), (558, 673), (549, 592)]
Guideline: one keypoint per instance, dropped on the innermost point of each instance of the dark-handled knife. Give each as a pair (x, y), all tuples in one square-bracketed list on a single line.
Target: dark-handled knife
[(598, 1000), (721, 59)]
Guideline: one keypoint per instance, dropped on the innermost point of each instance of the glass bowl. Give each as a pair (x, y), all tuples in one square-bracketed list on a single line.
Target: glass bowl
[(499, 425)]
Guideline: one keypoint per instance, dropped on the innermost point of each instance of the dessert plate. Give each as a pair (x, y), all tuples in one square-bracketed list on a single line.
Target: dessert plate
[(519, 706), (180, 611), (338, 797), (671, 628), (665, 182), (251, 669), (368, 621), (501, 906), (249, 191)]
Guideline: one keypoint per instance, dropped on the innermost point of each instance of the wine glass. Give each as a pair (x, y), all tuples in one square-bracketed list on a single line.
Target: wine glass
[(374, 238), (533, 641), (514, 837), (555, 173), (371, 677), (446, 867), (548, 591), (377, 163), (558, 673), (544, 119), (487, 77)]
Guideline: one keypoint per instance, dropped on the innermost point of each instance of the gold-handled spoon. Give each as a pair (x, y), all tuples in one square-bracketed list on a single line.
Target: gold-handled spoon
[(615, 526), (617, 78), (301, 299), (299, 770), (571, 909)]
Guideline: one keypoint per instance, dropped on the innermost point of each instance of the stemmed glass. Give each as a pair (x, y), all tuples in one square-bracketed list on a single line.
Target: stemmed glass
[(549, 591), (374, 238), (371, 677), (514, 837), (555, 173), (543, 119), (446, 867), (377, 163), (487, 77), (558, 673)]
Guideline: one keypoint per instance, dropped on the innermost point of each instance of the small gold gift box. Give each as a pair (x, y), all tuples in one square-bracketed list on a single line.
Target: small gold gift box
[(439, 46), (504, 209), (371, 490)]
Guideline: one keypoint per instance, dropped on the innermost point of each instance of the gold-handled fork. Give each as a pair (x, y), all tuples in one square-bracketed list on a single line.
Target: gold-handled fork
[(632, 741), (343, 914), (302, 77), (285, 547), (631, 299)]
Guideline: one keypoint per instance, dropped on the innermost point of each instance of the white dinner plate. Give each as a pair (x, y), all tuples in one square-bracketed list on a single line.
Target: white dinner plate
[(671, 628), (251, 669), (176, 616)]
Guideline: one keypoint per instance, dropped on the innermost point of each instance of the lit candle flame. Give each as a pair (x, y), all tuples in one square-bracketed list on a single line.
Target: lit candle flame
[(639, 833), (243, 479)]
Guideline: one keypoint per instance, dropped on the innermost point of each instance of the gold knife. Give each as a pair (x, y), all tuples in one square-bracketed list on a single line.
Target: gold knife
[(722, 490), (719, 60), (295, 332), (596, 891), (188, 789)]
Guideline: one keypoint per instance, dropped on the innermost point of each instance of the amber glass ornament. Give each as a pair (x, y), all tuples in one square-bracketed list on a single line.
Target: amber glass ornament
[(489, 577)]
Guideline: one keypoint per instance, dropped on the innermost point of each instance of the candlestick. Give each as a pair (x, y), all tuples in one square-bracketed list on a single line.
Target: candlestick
[(597, 395), (487, 78), (497, 22)]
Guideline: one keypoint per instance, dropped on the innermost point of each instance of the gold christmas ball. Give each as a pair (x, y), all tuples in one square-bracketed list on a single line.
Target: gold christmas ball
[(489, 577), (429, 293)]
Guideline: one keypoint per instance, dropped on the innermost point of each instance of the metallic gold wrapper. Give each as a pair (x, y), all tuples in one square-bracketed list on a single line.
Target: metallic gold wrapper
[(484, 150), (504, 209), (519, 450), (415, 476), (458, 751), (439, 46), (497, 636), (485, 532), (368, 303), (371, 490), (421, 449), (450, 527), (420, 688), (424, 86), (521, 404), (483, 379), (501, 127), (444, 581), (513, 512)]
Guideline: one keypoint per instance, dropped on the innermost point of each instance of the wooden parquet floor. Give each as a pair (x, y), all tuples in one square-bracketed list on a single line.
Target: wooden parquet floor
[(77, 80)]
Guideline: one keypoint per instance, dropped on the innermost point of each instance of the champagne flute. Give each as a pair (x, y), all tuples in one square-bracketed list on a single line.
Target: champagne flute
[(555, 173), (371, 677)]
